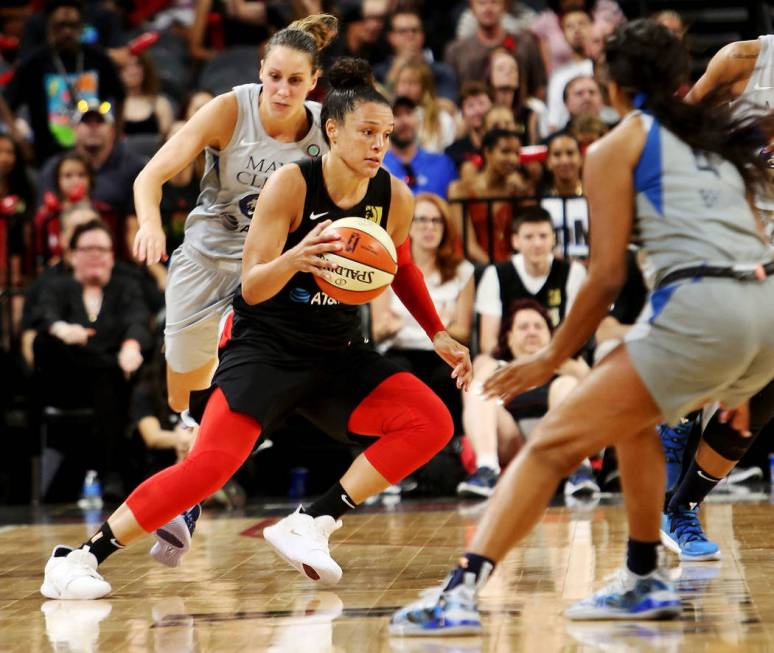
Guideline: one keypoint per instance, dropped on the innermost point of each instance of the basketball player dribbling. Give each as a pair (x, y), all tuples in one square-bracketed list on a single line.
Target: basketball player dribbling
[(676, 175), (293, 348), (247, 134), (742, 75)]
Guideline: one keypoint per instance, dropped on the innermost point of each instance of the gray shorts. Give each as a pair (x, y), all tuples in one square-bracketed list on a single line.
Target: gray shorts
[(704, 340), (199, 293)]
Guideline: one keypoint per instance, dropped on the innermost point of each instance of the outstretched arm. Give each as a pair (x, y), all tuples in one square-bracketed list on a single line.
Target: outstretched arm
[(409, 285), (212, 125), (608, 180)]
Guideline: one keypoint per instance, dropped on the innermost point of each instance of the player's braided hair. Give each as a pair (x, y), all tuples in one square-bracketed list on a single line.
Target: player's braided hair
[(644, 58), (352, 82)]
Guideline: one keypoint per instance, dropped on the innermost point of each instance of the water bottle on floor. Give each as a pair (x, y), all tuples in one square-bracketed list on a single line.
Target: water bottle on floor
[(91, 495)]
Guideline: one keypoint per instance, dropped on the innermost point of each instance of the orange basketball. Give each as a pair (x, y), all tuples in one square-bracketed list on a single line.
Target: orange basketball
[(364, 267)]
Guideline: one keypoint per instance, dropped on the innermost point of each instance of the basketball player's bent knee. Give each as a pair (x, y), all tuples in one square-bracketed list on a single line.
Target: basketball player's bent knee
[(560, 455), (181, 384), (422, 427)]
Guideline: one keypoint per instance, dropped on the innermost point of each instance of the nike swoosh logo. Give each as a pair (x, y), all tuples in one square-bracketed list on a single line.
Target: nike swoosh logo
[(293, 531), (692, 505), (347, 501), (758, 87), (317, 216), (116, 544), (705, 477)]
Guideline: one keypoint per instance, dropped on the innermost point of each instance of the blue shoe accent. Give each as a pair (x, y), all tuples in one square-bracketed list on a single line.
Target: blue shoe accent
[(674, 440), (581, 483), (629, 596), (682, 533), (479, 484), (440, 613), (191, 516)]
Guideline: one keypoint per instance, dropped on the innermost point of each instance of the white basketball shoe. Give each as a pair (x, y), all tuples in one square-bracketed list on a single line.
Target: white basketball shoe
[(302, 540), (73, 576)]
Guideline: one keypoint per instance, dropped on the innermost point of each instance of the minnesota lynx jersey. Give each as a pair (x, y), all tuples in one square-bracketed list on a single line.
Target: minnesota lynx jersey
[(691, 207), (234, 176), (758, 95)]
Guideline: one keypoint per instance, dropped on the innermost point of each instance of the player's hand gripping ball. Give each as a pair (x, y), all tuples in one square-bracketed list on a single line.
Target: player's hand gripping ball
[(365, 265)]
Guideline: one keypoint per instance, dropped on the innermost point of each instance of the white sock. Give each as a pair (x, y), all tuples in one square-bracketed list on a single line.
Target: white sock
[(488, 460)]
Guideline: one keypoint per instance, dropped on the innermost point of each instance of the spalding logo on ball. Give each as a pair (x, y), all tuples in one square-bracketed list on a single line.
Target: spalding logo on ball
[(364, 267)]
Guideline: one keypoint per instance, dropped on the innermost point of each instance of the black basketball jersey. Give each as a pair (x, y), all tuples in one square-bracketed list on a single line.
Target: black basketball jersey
[(301, 315), (552, 295)]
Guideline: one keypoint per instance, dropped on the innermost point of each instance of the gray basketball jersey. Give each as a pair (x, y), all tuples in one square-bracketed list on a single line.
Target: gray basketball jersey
[(691, 207), (758, 96), (759, 92), (234, 176)]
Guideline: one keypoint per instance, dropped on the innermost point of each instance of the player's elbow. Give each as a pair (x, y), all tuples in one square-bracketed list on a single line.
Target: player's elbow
[(250, 294)]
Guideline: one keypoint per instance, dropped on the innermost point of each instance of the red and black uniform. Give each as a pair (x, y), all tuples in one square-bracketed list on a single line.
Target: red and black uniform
[(302, 351)]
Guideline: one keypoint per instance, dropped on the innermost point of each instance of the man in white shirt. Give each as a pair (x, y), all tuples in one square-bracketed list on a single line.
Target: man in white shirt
[(533, 273)]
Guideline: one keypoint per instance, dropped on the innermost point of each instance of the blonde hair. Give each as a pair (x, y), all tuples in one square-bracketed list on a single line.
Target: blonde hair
[(431, 119)]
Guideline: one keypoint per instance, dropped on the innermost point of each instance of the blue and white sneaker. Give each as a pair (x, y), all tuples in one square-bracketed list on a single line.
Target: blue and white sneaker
[(674, 441), (581, 483), (439, 613), (682, 533), (629, 596), (479, 484), (173, 539)]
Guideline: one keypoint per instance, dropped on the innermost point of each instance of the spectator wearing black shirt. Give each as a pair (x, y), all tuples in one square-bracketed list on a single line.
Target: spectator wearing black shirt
[(92, 328), (158, 437), (361, 27), (52, 80), (101, 26), (474, 102), (178, 197)]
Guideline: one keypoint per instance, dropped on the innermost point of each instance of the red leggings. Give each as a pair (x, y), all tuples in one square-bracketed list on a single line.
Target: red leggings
[(410, 422)]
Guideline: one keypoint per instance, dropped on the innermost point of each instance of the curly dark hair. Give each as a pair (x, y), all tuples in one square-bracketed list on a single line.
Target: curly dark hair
[(644, 58)]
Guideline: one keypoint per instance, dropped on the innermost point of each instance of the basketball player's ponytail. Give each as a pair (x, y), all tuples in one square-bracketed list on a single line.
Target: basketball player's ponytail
[(321, 27), (352, 82), (649, 62), (308, 35)]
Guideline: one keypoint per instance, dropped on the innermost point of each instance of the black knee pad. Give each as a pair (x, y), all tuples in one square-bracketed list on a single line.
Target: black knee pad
[(725, 440)]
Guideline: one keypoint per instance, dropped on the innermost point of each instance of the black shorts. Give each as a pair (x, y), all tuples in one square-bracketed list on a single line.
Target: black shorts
[(531, 404), (325, 388)]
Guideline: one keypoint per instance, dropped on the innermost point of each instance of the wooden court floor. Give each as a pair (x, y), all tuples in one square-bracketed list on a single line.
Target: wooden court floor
[(232, 594)]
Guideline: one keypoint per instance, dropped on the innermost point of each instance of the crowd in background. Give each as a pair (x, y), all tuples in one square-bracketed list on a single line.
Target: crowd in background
[(494, 104)]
